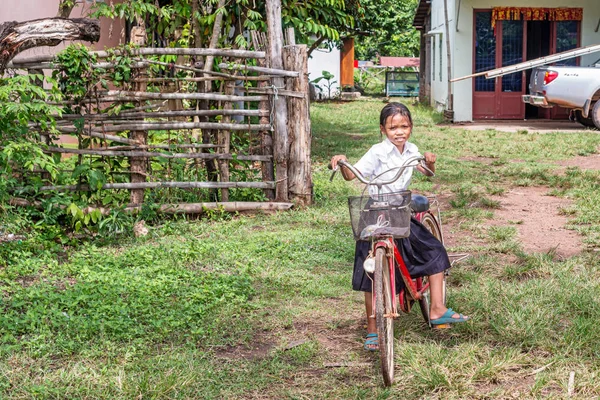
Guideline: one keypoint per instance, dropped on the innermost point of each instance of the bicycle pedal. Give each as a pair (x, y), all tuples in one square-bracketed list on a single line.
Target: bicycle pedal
[(441, 326)]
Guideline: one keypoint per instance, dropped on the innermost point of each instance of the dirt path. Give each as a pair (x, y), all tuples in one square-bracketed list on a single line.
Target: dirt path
[(588, 162), (539, 221), (538, 218)]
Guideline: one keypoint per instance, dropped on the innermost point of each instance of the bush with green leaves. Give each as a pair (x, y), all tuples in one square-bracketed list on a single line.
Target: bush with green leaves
[(25, 110)]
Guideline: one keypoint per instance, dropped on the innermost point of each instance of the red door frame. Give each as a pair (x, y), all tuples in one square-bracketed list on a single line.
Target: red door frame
[(507, 99), (496, 96), (482, 100)]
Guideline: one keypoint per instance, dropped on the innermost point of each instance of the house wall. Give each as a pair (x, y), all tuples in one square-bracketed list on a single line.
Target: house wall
[(26, 10), (462, 47), (437, 38), (325, 60)]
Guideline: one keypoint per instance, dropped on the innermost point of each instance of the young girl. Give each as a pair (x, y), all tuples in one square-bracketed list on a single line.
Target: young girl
[(423, 254)]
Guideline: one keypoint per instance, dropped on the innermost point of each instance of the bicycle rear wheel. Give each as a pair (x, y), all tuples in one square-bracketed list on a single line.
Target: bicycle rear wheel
[(383, 315), (433, 227)]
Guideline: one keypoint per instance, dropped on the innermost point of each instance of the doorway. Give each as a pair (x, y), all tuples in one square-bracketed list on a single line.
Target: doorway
[(511, 42)]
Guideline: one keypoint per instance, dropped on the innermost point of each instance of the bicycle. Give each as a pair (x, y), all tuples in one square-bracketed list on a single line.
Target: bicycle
[(381, 220)]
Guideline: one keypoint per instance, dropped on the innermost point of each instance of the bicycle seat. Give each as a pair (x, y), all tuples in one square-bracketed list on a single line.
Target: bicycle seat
[(419, 203)]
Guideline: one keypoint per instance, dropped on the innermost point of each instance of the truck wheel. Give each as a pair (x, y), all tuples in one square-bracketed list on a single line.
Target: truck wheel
[(584, 121), (596, 114)]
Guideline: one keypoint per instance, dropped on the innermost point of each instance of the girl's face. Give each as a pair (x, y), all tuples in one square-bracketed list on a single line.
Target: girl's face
[(397, 129)]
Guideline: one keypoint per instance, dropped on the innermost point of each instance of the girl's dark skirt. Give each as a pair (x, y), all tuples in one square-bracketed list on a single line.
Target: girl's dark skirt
[(423, 255)]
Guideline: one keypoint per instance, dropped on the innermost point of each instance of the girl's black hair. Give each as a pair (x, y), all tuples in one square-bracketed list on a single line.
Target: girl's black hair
[(392, 109)]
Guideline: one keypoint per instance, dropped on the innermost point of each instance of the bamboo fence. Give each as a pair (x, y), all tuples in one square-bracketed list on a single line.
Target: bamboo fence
[(160, 118)]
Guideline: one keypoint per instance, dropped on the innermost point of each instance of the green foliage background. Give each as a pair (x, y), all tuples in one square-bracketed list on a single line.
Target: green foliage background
[(391, 31)]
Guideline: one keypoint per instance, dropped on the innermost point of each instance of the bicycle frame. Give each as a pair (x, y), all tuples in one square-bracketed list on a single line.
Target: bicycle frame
[(395, 260)]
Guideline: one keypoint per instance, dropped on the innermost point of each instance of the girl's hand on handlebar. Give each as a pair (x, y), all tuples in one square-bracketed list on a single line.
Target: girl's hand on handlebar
[(429, 158), (429, 161), (335, 159), (346, 173)]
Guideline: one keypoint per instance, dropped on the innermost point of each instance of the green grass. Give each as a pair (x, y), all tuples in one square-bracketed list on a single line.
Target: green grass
[(258, 306)]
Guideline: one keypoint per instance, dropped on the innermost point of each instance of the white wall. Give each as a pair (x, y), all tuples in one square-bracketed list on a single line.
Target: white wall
[(439, 85), (462, 48), (325, 60)]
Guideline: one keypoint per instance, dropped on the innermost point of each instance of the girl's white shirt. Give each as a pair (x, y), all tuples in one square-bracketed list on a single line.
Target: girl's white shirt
[(383, 157)]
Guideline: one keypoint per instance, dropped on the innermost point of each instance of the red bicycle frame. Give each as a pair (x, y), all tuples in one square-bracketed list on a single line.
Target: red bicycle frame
[(415, 287)]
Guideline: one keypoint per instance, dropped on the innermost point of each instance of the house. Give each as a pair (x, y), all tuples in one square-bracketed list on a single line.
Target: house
[(484, 35), (325, 59), (111, 32)]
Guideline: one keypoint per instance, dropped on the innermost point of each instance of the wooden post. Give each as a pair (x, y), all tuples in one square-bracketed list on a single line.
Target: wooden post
[(138, 165), (299, 173), (259, 41), (280, 137), (224, 140), (347, 64)]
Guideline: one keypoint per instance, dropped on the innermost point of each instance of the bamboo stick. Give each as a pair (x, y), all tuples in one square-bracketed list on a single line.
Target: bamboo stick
[(235, 206), (263, 70), (101, 65), (279, 92), (165, 146), (157, 185), (181, 208), (186, 68), (160, 126), (180, 96), (204, 79), (165, 114), (151, 51), (101, 135), (113, 153)]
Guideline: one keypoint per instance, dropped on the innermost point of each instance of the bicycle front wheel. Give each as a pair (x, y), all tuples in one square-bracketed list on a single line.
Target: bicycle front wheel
[(383, 315)]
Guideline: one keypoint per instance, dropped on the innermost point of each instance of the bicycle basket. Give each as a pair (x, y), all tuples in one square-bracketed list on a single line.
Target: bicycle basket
[(389, 215)]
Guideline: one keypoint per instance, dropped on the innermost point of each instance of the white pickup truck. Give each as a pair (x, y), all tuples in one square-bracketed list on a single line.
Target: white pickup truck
[(577, 88)]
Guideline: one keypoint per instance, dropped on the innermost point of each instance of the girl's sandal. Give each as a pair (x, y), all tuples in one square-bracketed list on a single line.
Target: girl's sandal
[(445, 320), (372, 342)]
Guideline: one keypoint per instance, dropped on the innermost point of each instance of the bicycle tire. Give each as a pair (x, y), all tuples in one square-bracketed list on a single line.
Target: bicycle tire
[(430, 223), (383, 306)]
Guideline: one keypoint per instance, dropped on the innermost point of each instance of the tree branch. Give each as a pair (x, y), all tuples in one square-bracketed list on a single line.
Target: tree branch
[(16, 37), (316, 44)]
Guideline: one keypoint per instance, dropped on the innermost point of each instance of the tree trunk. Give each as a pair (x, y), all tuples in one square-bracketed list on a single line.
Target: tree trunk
[(205, 87), (280, 137), (295, 58), (16, 37), (138, 165), (259, 41)]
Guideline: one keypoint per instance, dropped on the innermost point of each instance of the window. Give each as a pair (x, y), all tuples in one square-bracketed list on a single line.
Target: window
[(566, 39), (512, 53), (485, 51)]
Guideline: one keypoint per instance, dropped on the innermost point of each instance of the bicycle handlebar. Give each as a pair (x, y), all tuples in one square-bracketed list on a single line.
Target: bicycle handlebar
[(374, 181)]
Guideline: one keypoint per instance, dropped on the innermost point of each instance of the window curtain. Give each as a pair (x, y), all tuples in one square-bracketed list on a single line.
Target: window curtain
[(535, 14)]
